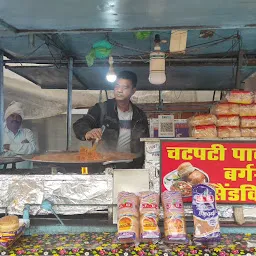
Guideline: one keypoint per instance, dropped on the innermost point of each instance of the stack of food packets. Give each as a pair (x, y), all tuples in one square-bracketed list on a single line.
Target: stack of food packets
[(174, 218), (138, 217), (128, 218), (237, 116), (149, 215), (233, 117), (248, 119), (203, 126)]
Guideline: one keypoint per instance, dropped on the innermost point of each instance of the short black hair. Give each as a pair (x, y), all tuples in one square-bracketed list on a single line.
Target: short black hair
[(129, 75)]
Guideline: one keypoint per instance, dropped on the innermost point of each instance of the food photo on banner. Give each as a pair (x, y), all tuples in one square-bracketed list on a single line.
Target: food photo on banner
[(229, 166)]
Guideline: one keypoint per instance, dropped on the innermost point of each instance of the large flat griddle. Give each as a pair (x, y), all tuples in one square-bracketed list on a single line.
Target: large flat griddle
[(10, 160), (73, 158)]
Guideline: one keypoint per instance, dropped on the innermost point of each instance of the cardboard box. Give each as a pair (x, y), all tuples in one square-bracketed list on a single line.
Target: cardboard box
[(153, 127), (181, 128)]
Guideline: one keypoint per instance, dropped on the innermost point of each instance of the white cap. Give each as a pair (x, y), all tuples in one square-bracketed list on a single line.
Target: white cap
[(14, 108)]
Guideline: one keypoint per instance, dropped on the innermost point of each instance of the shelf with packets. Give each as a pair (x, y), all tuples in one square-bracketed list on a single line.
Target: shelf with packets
[(234, 118)]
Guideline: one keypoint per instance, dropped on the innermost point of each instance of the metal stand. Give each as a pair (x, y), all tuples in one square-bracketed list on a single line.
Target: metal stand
[(69, 105)]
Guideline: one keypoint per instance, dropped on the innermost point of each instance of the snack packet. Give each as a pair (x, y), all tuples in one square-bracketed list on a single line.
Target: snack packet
[(204, 131), (228, 121), (149, 216), (240, 97), (204, 119), (205, 215), (248, 132), (248, 122), (229, 132), (174, 218), (127, 218), (248, 110), (225, 109)]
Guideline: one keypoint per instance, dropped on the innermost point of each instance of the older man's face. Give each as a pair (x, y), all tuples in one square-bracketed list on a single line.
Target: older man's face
[(13, 122)]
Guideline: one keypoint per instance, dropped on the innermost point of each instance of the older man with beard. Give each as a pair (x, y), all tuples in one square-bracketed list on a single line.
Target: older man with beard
[(17, 140)]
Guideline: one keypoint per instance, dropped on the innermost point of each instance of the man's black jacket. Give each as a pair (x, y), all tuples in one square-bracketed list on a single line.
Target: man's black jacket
[(106, 114)]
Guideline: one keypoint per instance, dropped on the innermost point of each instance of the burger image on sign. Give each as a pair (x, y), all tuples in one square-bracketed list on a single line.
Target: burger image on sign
[(184, 178)]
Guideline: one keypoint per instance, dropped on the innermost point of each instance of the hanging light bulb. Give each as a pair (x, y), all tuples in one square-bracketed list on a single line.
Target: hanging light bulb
[(157, 74), (111, 75)]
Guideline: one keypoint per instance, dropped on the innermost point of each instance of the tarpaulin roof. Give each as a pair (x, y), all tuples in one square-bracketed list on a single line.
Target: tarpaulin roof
[(52, 31)]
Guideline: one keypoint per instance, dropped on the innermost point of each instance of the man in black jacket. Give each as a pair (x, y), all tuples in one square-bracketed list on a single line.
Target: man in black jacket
[(125, 123)]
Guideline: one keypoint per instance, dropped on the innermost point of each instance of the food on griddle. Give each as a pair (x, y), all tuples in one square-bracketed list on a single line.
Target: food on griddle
[(196, 177), (9, 223), (185, 169), (183, 187), (89, 154)]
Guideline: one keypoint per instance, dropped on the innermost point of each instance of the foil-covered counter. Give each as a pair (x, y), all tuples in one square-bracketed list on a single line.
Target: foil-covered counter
[(70, 194)]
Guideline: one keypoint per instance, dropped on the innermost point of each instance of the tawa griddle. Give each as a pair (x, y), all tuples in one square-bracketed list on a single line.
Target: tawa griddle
[(52, 159), (10, 160)]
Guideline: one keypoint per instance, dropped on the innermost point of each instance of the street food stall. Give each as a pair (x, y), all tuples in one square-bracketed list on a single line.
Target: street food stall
[(58, 187), (195, 195), (52, 190)]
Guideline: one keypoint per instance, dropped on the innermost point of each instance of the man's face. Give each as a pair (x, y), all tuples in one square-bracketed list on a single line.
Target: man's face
[(13, 122), (123, 90)]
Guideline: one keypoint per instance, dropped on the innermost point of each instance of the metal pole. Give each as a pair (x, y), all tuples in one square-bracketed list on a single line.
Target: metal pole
[(69, 105), (161, 102), (238, 69), (1, 101), (128, 61)]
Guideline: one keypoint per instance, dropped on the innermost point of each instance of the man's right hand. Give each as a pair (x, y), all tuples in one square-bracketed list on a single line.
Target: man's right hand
[(94, 134), (24, 141)]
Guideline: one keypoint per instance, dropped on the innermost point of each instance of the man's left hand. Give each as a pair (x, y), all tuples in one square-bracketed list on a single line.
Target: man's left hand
[(25, 141), (7, 147)]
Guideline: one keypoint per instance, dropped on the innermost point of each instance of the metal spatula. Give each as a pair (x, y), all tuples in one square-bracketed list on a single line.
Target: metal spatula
[(103, 127)]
